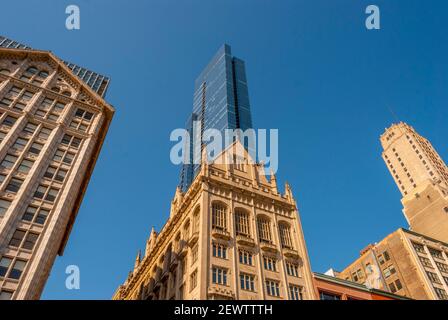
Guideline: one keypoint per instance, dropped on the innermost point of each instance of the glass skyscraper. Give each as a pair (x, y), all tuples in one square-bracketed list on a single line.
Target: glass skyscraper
[(220, 101)]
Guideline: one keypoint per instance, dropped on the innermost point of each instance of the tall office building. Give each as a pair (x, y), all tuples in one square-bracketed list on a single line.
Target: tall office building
[(422, 177), (232, 235), (405, 263), (220, 101), (53, 121)]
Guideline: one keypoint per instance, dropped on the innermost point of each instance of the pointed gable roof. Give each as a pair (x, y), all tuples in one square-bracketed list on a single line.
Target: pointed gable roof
[(95, 81)]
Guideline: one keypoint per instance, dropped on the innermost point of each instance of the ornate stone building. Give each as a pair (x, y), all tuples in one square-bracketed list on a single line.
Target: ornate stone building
[(422, 177), (405, 263), (52, 126), (232, 235)]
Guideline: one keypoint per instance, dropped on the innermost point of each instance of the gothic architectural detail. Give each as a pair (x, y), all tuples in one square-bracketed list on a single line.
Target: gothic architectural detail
[(49, 143), (422, 177), (231, 235)]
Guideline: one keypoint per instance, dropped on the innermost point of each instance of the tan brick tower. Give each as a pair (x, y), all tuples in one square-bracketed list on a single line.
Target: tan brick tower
[(422, 177), (232, 235), (52, 126)]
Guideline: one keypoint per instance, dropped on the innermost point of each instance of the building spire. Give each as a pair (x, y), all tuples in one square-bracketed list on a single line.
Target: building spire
[(273, 183), (288, 193), (137, 260)]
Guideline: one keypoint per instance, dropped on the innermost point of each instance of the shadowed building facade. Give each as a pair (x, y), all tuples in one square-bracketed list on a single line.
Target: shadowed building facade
[(422, 177), (52, 125), (232, 235)]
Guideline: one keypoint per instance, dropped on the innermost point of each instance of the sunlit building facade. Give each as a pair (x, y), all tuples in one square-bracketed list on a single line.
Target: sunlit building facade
[(422, 178), (232, 235), (52, 126), (404, 263)]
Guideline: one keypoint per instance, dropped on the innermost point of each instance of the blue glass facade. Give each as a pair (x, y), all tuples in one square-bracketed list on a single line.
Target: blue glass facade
[(220, 101)]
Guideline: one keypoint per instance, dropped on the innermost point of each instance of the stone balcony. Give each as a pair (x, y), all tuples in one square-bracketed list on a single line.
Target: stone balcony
[(290, 252), (182, 249), (245, 240), (268, 246), (221, 233), (193, 239)]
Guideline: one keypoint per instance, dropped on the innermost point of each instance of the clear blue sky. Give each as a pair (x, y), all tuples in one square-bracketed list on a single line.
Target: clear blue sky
[(314, 72)]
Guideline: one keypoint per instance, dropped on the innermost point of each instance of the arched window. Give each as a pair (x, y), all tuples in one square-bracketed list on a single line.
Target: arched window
[(32, 70), (196, 220), (285, 235), (242, 222), (43, 74), (264, 229), (66, 93), (219, 216), (186, 233)]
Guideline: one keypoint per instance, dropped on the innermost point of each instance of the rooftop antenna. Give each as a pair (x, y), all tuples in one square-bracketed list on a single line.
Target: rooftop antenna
[(393, 114)]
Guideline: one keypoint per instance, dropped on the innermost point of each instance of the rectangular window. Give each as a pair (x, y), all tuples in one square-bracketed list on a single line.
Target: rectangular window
[(50, 172), (247, 282), (51, 195), (295, 292), (219, 216), (5, 102), (60, 176), (329, 296), (270, 263), (9, 121), (418, 247), (242, 223), (40, 192), (219, 251), (5, 295), (35, 148), (442, 267), (219, 276), (392, 287), (292, 269), (425, 262), (42, 216), (441, 294), (17, 269), (4, 266), (17, 238), (193, 280), (30, 241), (20, 144), (25, 166), (436, 253), (30, 128), (398, 284), (285, 236), (194, 254), (273, 288), (14, 185), (44, 133), (9, 161), (433, 277), (245, 257), (29, 214), (4, 205)]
